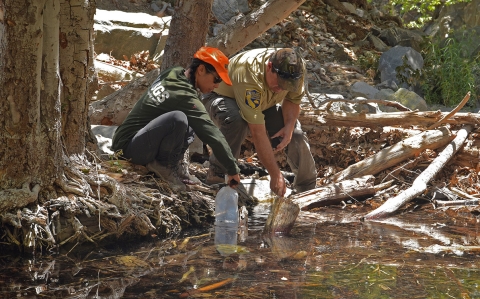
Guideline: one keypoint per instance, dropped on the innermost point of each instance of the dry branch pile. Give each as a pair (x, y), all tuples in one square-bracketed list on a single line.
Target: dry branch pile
[(400, 157)]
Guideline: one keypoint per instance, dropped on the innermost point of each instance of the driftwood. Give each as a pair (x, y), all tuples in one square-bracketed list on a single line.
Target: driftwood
[(375, 120), (335, 193), (420, 183), (395, 154), (282, 216)]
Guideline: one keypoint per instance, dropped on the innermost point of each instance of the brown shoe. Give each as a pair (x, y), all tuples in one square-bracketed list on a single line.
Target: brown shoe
[(214, 177), (168, 174)]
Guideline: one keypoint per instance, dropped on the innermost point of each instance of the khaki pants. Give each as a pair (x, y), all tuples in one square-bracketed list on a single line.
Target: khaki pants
[(226, 115)]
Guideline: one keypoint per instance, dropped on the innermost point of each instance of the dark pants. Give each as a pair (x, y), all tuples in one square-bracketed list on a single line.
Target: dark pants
[(165, 138)]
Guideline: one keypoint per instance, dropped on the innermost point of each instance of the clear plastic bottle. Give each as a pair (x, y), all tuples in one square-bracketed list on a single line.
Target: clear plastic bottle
[(226, 206), (226, 238)]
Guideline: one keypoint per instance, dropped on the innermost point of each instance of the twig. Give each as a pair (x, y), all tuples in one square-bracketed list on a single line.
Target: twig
[(445, 117), (309, 96), (451, 203), (207, 288)]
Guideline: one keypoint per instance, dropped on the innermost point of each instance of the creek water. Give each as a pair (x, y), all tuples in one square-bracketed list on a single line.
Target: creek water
[(330, 253)]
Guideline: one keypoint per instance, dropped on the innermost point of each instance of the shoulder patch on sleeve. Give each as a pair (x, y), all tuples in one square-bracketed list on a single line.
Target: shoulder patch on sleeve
[(252, 98)]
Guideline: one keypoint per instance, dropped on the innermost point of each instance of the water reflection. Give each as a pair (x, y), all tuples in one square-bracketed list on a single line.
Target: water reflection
[(329, 254)]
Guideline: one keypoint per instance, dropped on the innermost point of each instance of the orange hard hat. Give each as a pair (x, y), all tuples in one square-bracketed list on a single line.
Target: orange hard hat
[(217, 59)]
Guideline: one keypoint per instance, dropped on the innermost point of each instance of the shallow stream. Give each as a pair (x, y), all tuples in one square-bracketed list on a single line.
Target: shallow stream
[(329, 254)]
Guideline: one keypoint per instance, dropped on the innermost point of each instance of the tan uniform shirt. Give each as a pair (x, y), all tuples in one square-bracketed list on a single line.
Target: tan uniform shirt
[(249, 88)]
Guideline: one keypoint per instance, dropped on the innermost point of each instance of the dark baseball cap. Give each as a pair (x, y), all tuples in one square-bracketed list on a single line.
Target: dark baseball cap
[(289, 67)]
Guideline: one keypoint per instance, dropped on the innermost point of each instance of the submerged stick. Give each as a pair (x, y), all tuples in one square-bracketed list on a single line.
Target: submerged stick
[(207, 288)]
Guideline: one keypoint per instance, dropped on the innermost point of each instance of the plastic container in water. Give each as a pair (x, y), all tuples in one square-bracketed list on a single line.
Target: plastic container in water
[(226, 220), (226, 206), (226, 238)]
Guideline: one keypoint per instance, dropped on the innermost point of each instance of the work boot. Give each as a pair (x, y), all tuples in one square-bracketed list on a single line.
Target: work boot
[(214, 177), (168, 174), (185, 175)]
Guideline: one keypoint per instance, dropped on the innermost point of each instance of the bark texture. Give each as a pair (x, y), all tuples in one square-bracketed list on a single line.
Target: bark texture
[(30, 107), (376, 120), (75, 48), (190, 32)]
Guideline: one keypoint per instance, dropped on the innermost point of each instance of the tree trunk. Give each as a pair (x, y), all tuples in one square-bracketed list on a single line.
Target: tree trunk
[(30, 123), (190, 32), (77, 71), (44, 44)]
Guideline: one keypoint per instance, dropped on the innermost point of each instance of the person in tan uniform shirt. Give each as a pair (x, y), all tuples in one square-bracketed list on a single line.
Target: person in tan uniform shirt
[(264, 98)]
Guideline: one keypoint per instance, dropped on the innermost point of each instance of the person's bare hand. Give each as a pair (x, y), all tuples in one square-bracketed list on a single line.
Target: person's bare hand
[(233, 180), (277, 185), (285, 139)]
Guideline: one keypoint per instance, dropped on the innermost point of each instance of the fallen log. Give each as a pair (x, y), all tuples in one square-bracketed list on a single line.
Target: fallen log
[(284, 211), (335, 193), (395, 154), (420, 183), (375, 120)]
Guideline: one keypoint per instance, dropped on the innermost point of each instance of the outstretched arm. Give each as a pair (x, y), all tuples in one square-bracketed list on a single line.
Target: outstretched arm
[(267, 157)]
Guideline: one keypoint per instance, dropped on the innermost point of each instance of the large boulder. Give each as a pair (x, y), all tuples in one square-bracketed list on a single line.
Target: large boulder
[(394, 58), (120, 33)]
